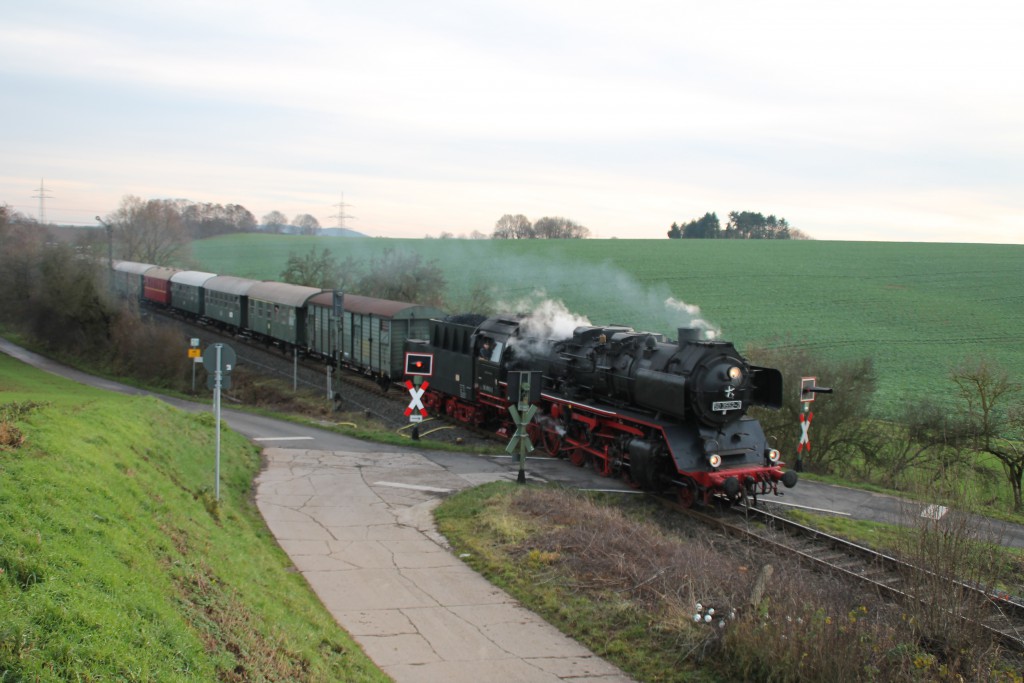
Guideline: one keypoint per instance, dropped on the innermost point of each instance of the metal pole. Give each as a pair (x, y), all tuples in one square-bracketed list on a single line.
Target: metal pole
[(330, 386), (216, 403), (295, 371)]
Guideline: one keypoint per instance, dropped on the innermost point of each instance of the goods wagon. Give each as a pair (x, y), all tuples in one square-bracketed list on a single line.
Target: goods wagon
[(374, 332)]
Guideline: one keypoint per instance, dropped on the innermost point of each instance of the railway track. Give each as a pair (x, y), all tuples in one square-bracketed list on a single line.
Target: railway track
[(1000, 615)]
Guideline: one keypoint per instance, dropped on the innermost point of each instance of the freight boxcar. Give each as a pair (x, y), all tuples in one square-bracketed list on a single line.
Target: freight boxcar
[(187, 291), (374, 332)]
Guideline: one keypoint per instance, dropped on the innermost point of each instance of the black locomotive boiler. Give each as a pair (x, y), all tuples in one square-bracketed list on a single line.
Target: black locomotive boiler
[(664, 414)]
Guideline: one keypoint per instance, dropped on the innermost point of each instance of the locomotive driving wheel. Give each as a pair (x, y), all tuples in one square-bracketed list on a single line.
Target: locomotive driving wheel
[(687, 494), (578, 456), (552, 442)]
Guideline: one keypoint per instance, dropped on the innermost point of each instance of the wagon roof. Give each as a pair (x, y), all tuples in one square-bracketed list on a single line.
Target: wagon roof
[(161, 273), (282, 293), (195, 278), (132, 267), (383, 308), (229, 284)]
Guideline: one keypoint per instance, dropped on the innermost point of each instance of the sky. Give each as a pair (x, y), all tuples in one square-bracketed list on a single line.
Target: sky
[(890, 120)]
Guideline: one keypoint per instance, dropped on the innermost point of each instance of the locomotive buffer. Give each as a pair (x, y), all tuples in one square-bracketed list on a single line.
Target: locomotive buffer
[(523, 392)]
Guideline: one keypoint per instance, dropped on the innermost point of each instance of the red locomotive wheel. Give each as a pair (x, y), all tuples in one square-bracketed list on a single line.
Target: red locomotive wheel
[(578, 457), (552, 442), (533, 430), (687, 495)]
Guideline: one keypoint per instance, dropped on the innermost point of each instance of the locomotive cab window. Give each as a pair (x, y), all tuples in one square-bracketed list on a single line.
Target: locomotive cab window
[(491, 349)]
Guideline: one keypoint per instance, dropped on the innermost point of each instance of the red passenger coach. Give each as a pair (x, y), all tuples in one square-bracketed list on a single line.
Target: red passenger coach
[(156, 285)]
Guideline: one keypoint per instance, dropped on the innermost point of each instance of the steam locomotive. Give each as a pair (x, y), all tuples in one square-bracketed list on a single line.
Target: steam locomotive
[(664, 414)]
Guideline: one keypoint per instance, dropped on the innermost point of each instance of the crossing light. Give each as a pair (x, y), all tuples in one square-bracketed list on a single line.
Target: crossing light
[(421, 364)]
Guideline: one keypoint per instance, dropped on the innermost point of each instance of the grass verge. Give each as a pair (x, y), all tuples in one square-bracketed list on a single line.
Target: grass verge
[(117, 562)]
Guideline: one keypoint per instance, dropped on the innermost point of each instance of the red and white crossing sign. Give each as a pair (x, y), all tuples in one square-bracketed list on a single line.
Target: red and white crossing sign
[(805, 437), (417, 398)]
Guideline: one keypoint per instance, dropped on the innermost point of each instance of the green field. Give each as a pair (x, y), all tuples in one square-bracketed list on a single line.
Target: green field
[(916, 309)]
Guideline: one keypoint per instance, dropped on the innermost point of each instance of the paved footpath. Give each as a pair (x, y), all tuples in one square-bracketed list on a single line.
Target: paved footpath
[(358, 525)]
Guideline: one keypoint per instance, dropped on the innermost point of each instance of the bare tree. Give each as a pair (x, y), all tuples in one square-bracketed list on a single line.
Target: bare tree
[(511, 227), (993, 422), (275, 221), (403, 278), (148, 231), (558, 228), (841, 424), (307, 224), (320, 270)]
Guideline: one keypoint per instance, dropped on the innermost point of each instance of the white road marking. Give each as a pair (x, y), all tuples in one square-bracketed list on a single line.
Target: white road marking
[(413, 487), (806, 507), (284, 438), (934, 511)]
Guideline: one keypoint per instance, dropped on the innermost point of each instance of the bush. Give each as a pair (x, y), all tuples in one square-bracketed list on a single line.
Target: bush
[(841, 429)]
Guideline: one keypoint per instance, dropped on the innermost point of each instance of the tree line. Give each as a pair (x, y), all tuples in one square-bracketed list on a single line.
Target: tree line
[(519, 227), (742, 225), (157, 230)]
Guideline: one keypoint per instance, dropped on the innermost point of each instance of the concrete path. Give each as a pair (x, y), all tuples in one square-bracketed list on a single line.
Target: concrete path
[(358, 525)]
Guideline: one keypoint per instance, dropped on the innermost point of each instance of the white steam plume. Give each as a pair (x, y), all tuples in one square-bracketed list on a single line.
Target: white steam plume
[(688, 315)]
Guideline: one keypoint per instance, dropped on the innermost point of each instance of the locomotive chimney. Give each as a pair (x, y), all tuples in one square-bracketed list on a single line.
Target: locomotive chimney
[(688, 334)]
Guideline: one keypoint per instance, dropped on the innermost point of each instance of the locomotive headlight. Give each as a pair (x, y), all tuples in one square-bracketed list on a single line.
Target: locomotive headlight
[(773, 455), (715, 460), (735, 373)]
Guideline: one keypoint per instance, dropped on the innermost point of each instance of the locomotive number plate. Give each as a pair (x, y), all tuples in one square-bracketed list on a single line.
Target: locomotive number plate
[(726, 405)]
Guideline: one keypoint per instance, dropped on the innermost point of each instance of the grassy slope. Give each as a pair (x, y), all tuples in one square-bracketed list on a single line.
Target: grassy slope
[(116, 564), (916, 309)]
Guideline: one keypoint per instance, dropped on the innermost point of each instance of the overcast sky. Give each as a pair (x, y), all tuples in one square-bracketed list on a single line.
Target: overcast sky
[(866, 120)]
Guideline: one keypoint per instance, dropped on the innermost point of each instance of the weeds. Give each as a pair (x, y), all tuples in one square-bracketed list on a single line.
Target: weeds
[(11, 437), (667, 602)]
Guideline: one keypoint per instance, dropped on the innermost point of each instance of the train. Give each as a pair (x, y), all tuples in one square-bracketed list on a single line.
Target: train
[(667, 415)]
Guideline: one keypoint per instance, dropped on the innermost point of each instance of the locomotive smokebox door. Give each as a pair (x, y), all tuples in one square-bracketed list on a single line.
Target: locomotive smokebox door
[(524, 387)]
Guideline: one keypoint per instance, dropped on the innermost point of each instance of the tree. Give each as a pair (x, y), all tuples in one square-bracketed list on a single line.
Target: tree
[(705, 227), (993, 420), (315, 270), (148, 231), (556, 227), (209, 220), (275, 221), (402, 277), (511, 227), (749, 225), (307, 224)]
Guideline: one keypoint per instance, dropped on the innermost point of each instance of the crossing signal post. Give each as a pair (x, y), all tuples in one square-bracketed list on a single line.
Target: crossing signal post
[(809, 390), (419, 366), (523, 392)]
